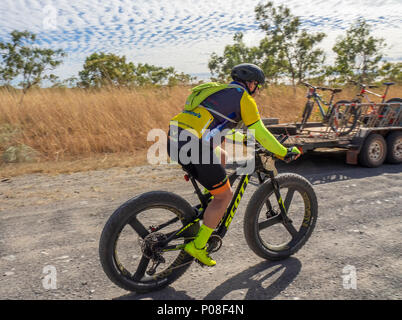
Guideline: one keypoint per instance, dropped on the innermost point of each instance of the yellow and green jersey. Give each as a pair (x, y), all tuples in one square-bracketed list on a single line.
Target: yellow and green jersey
[(221, 110), (225, 109)]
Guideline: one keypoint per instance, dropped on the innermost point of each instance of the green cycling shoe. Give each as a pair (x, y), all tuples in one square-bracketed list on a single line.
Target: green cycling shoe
[(200, 254)]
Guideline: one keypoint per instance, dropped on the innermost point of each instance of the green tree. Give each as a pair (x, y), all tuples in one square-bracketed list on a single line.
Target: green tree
[(358, 54), (287, 47), (181, 79), (287, 51), (391, 72), (22, 58), (102, 69), (147, 74)]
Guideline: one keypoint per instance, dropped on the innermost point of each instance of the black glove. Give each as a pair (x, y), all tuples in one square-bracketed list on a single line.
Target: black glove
[(293, 154)]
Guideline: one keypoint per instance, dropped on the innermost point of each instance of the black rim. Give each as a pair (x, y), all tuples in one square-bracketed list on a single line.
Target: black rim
[(296, 232)]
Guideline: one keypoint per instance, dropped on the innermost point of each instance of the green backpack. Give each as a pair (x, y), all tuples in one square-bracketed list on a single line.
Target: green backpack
[(203, 91)]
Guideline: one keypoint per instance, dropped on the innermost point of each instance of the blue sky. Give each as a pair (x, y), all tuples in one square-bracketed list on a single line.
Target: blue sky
[(181, 33)]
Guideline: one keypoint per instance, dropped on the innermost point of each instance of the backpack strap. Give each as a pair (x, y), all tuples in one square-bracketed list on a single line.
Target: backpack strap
[(218, 113)]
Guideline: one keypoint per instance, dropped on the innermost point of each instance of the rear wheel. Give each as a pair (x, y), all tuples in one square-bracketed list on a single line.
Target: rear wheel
[(266, 232), (128, 248), (394, 147), (374, 151)]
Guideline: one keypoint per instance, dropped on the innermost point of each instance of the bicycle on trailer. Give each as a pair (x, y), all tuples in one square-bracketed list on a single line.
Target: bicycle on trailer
[(373, 114), (364, 92), (141, 246), (341, 117)]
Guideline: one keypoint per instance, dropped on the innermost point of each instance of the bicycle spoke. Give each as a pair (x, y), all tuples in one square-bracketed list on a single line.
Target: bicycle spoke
[(139, 228), (142, 267), (291, 229), (288, 199), (270, 222)]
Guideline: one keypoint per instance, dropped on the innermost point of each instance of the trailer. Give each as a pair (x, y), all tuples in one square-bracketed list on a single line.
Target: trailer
[(377, 137)]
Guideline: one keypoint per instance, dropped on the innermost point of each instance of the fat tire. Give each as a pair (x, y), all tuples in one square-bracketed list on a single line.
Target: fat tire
[(364, 155), (257, 201), (121, 218), (393, 138)]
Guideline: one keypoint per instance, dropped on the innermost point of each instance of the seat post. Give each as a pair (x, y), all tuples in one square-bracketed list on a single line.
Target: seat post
[(387, 84)]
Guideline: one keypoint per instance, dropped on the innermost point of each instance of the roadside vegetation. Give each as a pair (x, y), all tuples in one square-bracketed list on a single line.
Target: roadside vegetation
[(101, 117)]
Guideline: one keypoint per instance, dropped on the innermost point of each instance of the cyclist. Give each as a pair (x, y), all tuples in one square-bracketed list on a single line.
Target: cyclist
[(222, 109)]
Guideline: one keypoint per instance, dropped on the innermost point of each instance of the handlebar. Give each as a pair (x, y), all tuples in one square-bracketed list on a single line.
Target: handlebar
[(362, 85), (334, 90)]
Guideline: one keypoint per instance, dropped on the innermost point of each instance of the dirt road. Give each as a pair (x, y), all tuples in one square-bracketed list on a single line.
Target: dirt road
[(52, 224)]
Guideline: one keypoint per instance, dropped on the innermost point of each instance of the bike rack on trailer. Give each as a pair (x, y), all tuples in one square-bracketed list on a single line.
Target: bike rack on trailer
[(381, 118)]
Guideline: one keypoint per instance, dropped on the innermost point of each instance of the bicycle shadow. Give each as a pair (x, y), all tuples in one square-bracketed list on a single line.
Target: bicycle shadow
[(253, 280)]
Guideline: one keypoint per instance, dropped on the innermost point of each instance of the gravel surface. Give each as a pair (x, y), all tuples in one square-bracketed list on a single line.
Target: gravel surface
[(50, 225)]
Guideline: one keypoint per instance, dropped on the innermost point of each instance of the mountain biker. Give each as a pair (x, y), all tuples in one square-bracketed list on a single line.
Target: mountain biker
[(222, 109)]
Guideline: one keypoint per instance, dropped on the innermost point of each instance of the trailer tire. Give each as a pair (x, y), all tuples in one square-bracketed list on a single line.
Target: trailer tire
[(374, 151), (394, 147)]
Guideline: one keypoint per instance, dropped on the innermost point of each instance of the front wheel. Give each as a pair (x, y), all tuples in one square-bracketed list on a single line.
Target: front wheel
[(266, 232), (128, 246), (343, 117), (308, 108)]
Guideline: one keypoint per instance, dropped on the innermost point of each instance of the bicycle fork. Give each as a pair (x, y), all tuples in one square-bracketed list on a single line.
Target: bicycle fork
[(283, 211)]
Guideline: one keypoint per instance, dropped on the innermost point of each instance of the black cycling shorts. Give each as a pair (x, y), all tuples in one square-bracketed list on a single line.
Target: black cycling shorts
[(204, 166)]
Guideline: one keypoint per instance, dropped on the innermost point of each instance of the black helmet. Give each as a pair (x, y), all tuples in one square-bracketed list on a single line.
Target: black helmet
[(248, 72)]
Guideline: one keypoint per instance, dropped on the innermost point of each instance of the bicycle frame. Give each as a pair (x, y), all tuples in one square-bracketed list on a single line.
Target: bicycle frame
[(364, 91), (363, 94), (317, 98), (223, 227)]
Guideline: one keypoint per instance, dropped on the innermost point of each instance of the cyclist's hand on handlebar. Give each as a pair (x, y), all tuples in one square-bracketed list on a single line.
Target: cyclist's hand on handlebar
[(293, 154)]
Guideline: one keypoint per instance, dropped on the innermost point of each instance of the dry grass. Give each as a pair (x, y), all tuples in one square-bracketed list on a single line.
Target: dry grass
[(77, 128)]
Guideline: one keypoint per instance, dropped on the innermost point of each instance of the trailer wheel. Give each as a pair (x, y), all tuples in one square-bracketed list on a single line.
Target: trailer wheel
[(394, 147), (374, 151)]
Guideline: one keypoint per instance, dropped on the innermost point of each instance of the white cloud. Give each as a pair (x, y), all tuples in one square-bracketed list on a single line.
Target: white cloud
[(182, 33)]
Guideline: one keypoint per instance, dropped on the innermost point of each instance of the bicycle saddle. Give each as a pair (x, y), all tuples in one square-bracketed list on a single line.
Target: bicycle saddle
[(388, 83)]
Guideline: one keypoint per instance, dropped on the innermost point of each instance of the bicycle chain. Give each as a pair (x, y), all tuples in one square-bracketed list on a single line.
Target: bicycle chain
[(213, 247)]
